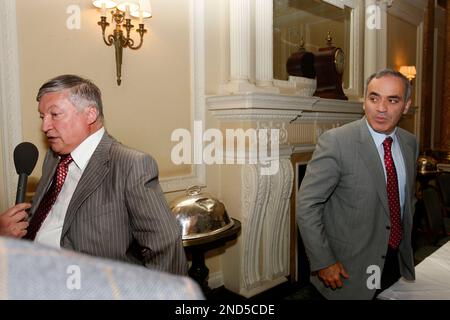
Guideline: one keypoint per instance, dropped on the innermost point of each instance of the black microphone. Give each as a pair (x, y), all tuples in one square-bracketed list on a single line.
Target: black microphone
[(25, 157)]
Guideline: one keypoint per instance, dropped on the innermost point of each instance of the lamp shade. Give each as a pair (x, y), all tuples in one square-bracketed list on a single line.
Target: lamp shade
[(133, 5), (108, 3), (145, 8), (408, 71)]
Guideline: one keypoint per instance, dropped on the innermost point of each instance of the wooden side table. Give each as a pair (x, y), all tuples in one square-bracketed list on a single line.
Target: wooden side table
[(198, 247)]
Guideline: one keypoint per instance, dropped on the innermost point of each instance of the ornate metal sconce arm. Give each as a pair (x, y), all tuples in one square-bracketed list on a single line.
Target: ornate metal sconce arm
[(104, 24), (141, 32), (128, 26)]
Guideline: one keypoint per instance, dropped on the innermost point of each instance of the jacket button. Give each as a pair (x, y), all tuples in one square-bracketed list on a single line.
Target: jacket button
[(388, 227), (383, 257)]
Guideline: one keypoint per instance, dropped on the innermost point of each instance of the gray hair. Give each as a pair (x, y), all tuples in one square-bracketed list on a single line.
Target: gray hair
[(82, 92), (392, 73)]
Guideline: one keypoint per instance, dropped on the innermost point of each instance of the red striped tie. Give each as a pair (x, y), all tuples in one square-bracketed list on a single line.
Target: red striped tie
[(396, 234), (50, 197)]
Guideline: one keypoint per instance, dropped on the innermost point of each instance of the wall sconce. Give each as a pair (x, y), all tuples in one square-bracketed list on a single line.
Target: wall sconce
[(409, 72), (124, 11)]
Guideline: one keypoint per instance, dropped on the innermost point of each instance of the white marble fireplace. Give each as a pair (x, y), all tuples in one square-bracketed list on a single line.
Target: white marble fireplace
[(262, 256)]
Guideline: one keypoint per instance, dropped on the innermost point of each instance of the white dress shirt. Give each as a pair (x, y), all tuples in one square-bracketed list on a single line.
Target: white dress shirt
[(397, 156), (51, 229)]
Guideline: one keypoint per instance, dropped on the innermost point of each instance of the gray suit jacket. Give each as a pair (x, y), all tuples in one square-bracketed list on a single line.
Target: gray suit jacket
[(30, 270), (343, 212), (118, 210)]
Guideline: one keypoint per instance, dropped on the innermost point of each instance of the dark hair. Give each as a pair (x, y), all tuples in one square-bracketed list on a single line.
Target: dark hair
[(392, 73), (83, 92)]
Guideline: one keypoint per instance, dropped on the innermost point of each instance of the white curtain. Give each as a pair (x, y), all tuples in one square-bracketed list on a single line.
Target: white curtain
[(10, 107)]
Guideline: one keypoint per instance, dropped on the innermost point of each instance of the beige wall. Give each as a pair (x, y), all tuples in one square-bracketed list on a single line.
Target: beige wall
[(155, 95), (217, 41), (216, 73)]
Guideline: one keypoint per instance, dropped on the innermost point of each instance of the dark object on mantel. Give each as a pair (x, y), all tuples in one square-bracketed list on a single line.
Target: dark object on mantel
[(301, 63), (329, 65)]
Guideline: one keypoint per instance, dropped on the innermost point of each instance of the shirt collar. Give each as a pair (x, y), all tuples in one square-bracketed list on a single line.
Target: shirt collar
[(378, 138), (83, 153)]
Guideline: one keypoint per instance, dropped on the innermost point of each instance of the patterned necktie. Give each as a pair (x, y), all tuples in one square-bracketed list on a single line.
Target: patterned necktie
[(393, 196), (50, 197)]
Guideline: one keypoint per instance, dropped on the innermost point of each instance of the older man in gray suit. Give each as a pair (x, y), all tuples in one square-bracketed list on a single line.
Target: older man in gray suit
[(95, 195), (356, 201)]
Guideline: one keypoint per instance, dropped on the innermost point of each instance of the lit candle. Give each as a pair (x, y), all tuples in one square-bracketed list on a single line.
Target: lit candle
[(127, 12), (141, 17)]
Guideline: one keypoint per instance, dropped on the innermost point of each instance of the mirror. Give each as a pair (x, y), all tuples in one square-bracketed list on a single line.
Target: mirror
[(310, 20)]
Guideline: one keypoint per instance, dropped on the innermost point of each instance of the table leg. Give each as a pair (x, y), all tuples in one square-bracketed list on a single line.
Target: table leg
[(198, 271)]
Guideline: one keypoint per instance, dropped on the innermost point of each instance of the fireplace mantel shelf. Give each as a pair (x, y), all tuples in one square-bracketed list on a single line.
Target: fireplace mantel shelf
[(256, 106)]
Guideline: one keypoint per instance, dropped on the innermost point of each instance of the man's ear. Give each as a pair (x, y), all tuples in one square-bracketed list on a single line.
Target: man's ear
[(408, 104), (92, 114)]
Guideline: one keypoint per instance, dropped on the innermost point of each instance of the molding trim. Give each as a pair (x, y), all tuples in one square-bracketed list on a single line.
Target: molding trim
[(409, 11), (304, 148), (10, 106), (197, 40), (382, 39), (418, 80), (326, 117), (288, 116), (356, 54), (265, 241), (254, 207), (277, 223), (265, 107), (268, 101)]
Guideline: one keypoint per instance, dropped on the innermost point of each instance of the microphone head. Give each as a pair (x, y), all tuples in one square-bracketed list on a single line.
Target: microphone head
[(25, 157)]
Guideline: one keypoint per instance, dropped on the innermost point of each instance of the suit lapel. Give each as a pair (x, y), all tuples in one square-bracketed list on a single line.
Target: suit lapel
[(93, 175), (371, 158), (408, 160)]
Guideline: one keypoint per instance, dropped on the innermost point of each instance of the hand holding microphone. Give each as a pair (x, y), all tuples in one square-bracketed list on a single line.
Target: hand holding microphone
[(13, 222)]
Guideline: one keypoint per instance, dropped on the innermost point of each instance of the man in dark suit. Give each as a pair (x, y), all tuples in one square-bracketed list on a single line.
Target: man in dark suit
[(95, 195), (356, 201)]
